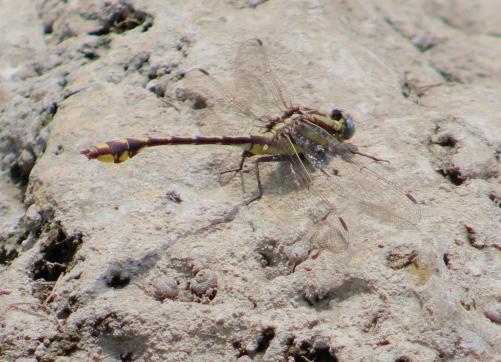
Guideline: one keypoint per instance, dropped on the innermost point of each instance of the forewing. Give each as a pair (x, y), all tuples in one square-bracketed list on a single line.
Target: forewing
[(256, 81), (213, 102), (257, 95)]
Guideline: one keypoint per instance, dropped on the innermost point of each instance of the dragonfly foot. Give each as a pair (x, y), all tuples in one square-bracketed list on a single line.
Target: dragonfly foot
[(233, 170), (233, 173), (252, 199), (375, 158)]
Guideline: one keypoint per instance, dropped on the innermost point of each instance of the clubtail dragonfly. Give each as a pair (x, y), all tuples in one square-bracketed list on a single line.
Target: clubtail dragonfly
[(304, 137)]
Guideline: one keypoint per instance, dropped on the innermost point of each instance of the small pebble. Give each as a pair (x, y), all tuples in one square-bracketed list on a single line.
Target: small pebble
[(165, 287), (493, 312), (298, 254), (204, 283)]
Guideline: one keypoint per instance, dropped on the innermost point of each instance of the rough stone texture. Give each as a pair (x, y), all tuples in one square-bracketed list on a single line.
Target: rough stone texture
[(85, 246)]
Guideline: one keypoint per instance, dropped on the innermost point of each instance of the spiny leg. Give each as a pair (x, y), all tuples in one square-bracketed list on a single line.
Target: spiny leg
[(274, 158), (245, 154)]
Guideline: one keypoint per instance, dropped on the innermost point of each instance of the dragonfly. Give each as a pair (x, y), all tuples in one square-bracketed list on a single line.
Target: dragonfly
[(273, 129)]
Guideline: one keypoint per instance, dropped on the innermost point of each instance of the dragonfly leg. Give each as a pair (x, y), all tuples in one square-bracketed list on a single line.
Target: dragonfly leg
[(245, 155), (274, 158), (375, 158)]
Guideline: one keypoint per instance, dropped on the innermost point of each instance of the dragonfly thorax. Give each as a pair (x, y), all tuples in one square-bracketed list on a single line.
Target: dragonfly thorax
[(340, 126), (338, 123)]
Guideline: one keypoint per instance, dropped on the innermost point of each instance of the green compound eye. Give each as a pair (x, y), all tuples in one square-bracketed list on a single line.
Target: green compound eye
[(349, 128)]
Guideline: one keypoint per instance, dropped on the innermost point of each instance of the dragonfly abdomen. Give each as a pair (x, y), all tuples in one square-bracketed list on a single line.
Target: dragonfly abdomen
[(118, 151)]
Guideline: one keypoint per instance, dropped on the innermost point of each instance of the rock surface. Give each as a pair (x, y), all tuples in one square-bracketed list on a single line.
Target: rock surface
[(101, 261)]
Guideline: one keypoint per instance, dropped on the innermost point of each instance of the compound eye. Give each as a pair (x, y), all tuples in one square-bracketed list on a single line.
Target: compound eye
[(336, 114), (349, 129)]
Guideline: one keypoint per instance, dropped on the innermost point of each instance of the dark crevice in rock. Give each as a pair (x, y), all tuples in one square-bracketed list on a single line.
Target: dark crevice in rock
[(453, 174), (9, 247), (118, 279), (183, 45), (57, 252), (307, 352), (258, 346), (401, 258), (445, 139), (495, 198), (122, 17), (21, 168), (264, 340), (403, 359), (119, 274), (447, 260), (473, 237), (444, 145)]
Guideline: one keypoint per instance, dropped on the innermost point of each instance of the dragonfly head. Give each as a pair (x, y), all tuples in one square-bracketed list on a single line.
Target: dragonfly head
[(344, 122)]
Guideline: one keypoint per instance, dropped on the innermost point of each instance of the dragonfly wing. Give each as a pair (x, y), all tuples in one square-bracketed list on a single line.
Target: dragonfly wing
[(322, 211), (258, 92), (349, 176), (256, 81), (211, 100)]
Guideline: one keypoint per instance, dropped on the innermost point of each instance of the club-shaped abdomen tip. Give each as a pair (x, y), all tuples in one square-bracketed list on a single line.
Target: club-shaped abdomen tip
[(88, 152)]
